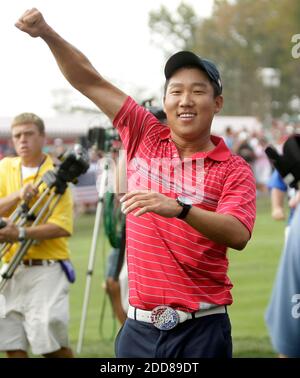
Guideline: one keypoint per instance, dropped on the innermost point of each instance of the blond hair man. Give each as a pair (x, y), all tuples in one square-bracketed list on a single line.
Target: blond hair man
[(36, 296)]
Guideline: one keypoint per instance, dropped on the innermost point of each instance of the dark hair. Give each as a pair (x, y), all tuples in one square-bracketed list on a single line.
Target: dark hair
[(217, 90)]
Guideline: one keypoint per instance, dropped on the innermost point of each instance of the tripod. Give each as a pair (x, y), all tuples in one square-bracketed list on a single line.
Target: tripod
[(54, 183), (92, 254)]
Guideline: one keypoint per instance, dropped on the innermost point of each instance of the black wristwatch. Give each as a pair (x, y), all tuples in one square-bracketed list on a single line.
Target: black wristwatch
[(186, 204)]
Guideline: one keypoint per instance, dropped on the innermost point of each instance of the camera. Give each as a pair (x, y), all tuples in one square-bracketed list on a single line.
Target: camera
[(108, 139), (287, 164), (102, 138), (157, 111), (73, 164)]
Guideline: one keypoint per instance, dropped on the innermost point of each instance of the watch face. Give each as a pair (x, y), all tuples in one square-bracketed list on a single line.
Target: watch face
[(185, 200)]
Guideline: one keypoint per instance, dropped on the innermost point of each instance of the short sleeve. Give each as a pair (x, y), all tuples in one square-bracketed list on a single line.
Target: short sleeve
[(134, 123), (3, 170), (276, 182), (63, 213), (239, 194)]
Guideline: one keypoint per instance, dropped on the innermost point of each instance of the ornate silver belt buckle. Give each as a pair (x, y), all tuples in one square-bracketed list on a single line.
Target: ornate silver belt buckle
[(164, 318)]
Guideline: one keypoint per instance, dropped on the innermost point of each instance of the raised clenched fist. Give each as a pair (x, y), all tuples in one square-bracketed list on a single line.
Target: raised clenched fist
[(32, 22)]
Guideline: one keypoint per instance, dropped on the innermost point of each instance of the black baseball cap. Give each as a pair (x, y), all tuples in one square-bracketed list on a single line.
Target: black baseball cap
[(188, 58)]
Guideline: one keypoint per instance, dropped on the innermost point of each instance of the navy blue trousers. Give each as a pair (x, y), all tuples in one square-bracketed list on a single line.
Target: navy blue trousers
[(205, 337)]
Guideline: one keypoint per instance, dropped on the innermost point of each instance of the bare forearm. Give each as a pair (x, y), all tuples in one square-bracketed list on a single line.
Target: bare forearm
[(76, 68), (220, 228), (26, 193), (277, 204), (8, 203), (81, 74), (74, 65), (45, 232), (277, 198), (10, 233)]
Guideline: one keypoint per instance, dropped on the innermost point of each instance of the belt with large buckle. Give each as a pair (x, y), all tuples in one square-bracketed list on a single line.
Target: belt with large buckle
[(164, 318)]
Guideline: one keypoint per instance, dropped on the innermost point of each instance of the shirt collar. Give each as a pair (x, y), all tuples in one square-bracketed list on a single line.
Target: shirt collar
[(165, 133), (220, 153), (16, 163)]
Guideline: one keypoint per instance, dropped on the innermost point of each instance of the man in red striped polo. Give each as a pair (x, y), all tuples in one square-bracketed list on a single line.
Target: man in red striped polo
[(189, 199)]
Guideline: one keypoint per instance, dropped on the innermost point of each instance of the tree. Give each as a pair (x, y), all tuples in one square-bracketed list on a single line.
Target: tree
[(242, 37), (178, 29)]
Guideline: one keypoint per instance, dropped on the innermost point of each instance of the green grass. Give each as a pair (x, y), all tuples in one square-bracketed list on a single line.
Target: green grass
[(252, 272)]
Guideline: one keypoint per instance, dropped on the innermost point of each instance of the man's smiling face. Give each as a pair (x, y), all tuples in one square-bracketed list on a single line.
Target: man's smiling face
[(190, 104)]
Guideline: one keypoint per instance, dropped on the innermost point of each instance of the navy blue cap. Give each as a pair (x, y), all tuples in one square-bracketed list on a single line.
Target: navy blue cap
[(187, 58)]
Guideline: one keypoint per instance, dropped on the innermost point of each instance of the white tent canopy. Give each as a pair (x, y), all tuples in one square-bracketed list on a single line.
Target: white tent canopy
[(220, 123), (75, 125), (63, 126)]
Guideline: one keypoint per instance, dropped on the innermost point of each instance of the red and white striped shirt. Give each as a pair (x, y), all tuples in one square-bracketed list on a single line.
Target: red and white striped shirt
[(169, 262)]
